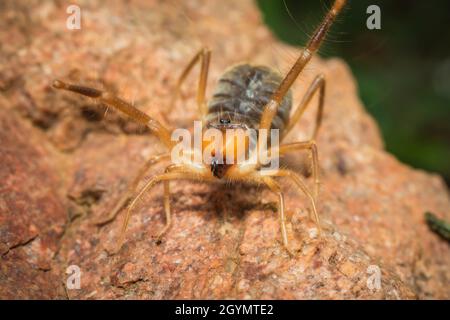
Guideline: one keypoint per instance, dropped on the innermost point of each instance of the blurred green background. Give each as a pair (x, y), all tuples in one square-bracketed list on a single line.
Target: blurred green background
[(403, 69)]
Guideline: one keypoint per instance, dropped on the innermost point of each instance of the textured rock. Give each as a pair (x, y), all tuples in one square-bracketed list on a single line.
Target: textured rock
[(32, 212), (65, 161)]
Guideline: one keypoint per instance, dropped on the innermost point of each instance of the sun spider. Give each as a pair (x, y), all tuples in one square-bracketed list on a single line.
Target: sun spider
[(246, 97)]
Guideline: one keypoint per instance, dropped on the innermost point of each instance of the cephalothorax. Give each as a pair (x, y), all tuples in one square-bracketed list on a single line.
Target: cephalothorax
[(246, 97)]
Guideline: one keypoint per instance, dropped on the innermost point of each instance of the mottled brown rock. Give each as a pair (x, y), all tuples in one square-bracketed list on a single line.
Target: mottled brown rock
[(65, 163), (32, 212)]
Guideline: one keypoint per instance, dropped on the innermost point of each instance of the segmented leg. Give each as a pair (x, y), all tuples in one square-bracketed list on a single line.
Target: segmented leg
[(302, 187), (167, 209), (312, 147), (318, 84), (115, 102), (271, 108), (131, 189), (312, 46), (175, 172), (265, 177), (274, 186), (204, 56)]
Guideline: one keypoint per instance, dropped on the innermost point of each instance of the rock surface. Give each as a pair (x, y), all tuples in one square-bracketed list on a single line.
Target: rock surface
[(66, 161)]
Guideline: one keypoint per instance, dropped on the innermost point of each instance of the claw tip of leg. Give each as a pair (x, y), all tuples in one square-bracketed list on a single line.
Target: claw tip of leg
[(57, 84)]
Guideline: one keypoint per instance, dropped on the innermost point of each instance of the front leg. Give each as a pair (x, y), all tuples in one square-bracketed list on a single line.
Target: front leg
[(262, 175), (167, 209), (174, 172), (274, 187), (121, 105), (294, 177), (131, 189)]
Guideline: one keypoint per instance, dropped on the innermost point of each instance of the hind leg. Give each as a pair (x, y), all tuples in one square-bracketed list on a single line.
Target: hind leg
[(204, 57), (318, 85)]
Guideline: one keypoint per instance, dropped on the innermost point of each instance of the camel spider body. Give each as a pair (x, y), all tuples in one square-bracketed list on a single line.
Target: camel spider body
[(246, 97)]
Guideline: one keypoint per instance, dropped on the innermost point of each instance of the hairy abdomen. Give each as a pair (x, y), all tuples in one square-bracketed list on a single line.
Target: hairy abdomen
[(241, 94)]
